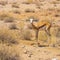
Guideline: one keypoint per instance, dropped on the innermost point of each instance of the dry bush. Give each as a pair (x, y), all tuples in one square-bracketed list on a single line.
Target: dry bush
[(28, 2), (8, 53), (57, 15), (43, 36), (3, 3), (25, 3), (6, 18), (38, 7), (8, 36), (3, 16), (55, 2), (16, 11), (13, 27), (29, 10), (58, 33), (58, 0), (54, 31), (26, 34), (9, 19), (15, 5)]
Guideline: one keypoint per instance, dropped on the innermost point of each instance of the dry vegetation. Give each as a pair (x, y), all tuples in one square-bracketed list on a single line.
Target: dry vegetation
[(3, 3), (17, 37), (7, 53), (8, 36)]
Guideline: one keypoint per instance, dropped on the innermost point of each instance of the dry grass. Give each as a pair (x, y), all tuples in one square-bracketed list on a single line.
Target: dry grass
[(8, 53), (15, 5), (58, 33), (29, 11), (28, 2), (8, 36), (43, 36), (26, 34), (54, 31), (6, 18), (13, 27), (16, 11), (3, 3), (11, 38), (9, 20), (3, 16)]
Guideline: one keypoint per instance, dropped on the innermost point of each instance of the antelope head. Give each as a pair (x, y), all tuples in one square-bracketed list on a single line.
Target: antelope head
[(31, 20)]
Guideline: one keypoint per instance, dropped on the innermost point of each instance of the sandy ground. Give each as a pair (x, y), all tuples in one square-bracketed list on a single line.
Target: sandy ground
[(33, 52), (37, 53)]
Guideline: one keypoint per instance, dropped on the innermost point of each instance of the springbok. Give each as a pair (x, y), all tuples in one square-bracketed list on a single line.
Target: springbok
[(40, 25)]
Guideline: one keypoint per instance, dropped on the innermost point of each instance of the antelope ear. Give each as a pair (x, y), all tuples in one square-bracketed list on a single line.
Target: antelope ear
[(31, 20)]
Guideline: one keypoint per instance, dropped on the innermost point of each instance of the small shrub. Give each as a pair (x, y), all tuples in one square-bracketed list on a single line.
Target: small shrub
[(3, 3), (28, 2), (15, 5), (50, 9), (55, 31), (7, 53), (5, 56), (58, 33), (43, 36), (16, 11), (38, 7), (57, 15), (26, 34), (54, 36), (29, 10), (6, 18), (8, 36), (13, 27), (25, 3), (9, 19), (58, 10), (3, 16)]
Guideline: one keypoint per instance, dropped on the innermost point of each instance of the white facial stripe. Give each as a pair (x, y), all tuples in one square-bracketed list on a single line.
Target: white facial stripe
[(31, 20)]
